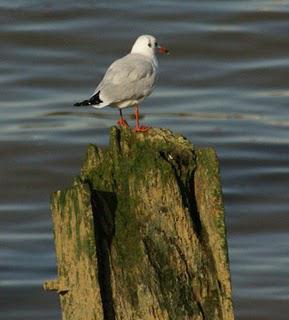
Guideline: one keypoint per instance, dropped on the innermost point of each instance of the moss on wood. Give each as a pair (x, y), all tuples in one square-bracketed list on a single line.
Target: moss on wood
[(145, 222)]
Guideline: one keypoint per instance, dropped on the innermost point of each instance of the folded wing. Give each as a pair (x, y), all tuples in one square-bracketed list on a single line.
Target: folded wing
[(130, 78)]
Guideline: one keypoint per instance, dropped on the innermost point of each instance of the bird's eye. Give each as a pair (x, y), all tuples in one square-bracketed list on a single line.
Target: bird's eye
[(156, 44), (149, 44)]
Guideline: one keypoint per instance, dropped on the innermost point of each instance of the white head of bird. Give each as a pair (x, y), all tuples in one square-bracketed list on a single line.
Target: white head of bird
[(148, 46)]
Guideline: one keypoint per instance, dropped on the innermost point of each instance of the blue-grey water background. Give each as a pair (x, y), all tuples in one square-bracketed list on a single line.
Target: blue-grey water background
[(224, 85)]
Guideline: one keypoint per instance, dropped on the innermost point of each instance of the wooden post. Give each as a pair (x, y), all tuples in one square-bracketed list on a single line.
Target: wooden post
[(141, 233)]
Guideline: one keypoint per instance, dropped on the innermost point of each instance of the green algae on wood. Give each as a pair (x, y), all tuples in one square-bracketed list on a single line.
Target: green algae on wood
[(154, 241), (77, 282)]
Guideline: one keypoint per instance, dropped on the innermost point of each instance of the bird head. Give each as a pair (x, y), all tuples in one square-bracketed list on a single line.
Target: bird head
[(148, 45)]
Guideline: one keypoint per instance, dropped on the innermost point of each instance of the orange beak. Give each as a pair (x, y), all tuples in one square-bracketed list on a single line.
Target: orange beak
[(163, 50)]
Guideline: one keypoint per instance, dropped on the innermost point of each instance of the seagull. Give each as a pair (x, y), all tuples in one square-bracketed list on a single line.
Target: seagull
[(129, 80)]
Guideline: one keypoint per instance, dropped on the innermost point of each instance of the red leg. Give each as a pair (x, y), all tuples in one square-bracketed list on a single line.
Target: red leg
[(121, 121), (139, 128)]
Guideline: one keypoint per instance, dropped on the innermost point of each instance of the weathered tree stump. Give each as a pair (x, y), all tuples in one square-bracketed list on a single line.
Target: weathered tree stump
[(141, 234)]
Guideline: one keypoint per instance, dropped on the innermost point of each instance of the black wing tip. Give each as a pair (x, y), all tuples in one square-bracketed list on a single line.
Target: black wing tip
[(82, 103), (94, 100)]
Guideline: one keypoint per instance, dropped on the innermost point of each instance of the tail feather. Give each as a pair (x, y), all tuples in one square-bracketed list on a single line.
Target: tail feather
[(92, 101)]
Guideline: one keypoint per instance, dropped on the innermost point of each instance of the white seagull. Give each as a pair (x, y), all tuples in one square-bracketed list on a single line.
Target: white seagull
[(129, 80)]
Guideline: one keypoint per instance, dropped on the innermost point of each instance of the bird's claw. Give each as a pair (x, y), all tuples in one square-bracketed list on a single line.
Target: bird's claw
[(122, 123), (141, 129)]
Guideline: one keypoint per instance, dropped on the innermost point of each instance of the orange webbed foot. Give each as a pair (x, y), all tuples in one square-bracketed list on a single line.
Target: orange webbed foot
[(141, 129), (121, 122)]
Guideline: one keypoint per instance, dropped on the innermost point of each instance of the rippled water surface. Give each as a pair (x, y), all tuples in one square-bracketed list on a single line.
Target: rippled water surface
[(224, 85)]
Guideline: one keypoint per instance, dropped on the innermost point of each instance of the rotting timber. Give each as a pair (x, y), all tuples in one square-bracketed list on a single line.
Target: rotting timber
[(140, 234)]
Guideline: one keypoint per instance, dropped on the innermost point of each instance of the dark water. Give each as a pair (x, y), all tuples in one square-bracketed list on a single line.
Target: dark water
[(225, 85)]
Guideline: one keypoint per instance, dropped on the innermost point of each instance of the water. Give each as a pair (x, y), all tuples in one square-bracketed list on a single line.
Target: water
[(224, 85)]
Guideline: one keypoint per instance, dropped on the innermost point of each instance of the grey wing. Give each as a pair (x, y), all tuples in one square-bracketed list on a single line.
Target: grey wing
[(127, 78)]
